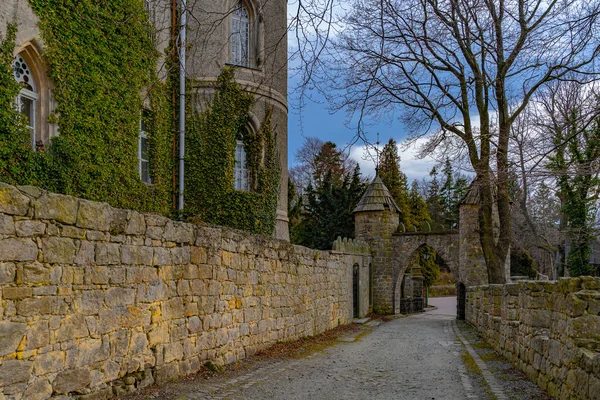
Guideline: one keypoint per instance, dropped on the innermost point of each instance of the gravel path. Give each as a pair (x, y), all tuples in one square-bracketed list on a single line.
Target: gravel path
[(418, 357), (413, 358)]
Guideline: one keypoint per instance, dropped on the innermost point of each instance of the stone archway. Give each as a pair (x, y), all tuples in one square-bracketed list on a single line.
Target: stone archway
[(446, 244)]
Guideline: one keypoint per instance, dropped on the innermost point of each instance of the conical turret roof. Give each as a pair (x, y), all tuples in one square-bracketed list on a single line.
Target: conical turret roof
[(376, 198)]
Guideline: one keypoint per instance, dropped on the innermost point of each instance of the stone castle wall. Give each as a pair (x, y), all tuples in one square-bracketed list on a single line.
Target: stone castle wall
[(549, 330), (99, 301)]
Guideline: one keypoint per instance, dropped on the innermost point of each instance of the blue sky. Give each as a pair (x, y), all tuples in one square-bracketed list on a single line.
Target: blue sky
[(315, 120)]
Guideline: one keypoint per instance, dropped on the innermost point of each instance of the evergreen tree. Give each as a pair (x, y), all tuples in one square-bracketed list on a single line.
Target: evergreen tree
[(327, 211), (393, 178), (436, 209), (419, 212)]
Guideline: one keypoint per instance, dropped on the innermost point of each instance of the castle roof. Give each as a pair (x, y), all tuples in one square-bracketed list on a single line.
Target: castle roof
[(376, 198)]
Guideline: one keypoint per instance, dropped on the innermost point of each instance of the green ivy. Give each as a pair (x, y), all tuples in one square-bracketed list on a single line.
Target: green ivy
[(211, 140), (100, 59), (15, 146)]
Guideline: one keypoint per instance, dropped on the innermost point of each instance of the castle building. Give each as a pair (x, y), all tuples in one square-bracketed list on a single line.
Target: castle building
[(249, 35)]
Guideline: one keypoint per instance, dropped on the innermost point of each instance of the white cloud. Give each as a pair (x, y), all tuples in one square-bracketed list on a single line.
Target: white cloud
[(413, 167)]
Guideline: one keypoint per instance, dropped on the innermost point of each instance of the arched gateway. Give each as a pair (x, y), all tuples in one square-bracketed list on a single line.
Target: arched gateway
[(377, 222)]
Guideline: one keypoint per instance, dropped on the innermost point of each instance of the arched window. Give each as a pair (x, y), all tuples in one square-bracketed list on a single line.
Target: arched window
[(144, 162), (28, 96), (240, 35), (241, 175)]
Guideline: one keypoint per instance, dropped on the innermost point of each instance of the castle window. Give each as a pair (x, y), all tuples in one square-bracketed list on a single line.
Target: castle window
[(241, 175), (240, 35), (27, 98), (144, 163)]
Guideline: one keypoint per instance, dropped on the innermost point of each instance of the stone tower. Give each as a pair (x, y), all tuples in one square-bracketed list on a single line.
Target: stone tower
[(376, 218), (472, 268)]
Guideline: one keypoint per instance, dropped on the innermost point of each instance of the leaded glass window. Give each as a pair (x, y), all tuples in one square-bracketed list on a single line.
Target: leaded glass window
[(241, 176), (27, 98), (240, 36)]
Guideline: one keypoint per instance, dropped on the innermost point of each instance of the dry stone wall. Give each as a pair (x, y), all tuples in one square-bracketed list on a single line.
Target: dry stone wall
[(97, 301), (549, 330)]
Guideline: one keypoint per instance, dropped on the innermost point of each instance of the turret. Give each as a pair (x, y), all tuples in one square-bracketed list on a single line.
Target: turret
[(376, 218)]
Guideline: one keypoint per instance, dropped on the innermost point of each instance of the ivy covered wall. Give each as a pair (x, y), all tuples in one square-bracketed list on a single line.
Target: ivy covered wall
[(100, 59), (211, 141)]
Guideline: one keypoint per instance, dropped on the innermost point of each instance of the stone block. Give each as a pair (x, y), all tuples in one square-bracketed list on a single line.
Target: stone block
[(118, 221), (18, 250), (108, 254), (72, 232), (155, 291), (161, 256), (17, 293), (56, 207), (34, 306), (8, 272), (91, 351), (180, 255), (7, 225), (50, 362), (158, 335), (194, 325), (574, 305), (138, 344), (58, 250), (173, 352), (136, 255), (11, 334), (198, 255), (39, 389), (85, 254), (35, 274), (154, 232), (38, 335), (15, 371), (12, 201), (97, 236), (30, 228), (131, 317), (116, 297), (93, 215), (178, 232), (594, 387), (584, 327), (72, 327), (136, 224), (173, 308), (89, 301), (119, 343), (73, 380)]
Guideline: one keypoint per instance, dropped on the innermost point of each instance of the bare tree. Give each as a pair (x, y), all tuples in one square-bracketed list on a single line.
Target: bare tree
[(464, 68)]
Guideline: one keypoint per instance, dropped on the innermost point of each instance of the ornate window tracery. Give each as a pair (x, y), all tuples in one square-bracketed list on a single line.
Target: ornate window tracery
[(26, 101)]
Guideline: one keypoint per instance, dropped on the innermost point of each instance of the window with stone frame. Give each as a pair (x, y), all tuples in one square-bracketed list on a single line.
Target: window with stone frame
[(241, 35), (27, 99), (241, 174)]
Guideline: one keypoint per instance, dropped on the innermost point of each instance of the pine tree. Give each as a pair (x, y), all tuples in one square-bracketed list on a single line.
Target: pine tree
[(327, 212), (393, 178)]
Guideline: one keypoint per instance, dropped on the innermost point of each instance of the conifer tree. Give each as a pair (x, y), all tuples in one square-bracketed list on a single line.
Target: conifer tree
[(393, 178)]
